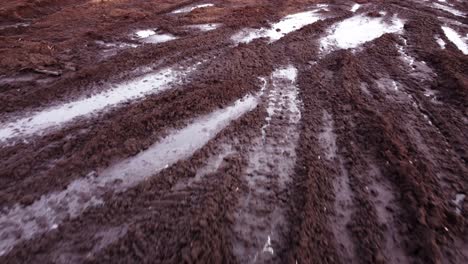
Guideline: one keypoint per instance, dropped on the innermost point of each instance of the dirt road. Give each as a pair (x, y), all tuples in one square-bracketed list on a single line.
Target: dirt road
[(235, 131)]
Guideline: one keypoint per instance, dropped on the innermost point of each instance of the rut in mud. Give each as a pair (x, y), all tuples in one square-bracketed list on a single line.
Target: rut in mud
[(234, 131)]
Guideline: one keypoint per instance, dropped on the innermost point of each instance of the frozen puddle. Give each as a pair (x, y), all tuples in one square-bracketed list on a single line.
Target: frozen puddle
[(189, 9), (354, 31), (22, 223), (54, 116), (272, 157), (454, 37), (278, 30), (449, 9), (151, 36), (205, 27)]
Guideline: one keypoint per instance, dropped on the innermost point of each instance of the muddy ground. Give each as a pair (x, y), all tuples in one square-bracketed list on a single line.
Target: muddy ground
[(236, 131)]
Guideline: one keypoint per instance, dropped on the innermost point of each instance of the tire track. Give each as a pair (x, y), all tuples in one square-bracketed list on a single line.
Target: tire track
[(25, 223), (259, 221), (56, 116), (343, 205), (133, 128)]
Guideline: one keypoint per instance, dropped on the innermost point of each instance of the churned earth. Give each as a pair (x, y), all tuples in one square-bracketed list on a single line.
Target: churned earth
[(235, 131)]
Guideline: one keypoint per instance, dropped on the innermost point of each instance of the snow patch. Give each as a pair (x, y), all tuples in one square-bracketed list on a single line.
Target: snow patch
[(145, 33), (355, 7), (407, 58), (449, 9), (354, 31), (278, 30), (456, 39), (189, 9), (151, 36), (441, 42)]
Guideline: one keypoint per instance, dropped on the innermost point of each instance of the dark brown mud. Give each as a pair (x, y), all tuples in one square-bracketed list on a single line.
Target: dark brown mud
[(336, 153)]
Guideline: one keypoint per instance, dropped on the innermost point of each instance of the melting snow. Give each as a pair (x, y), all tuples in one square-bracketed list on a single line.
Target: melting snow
[(357, 30), (191, 8), (151, 36), (278, 30), (205, 27), (453, 36), (407, 58), (355, 7), (23, 223), (449, 9), (145, 33), (441, 42), (55, 116)]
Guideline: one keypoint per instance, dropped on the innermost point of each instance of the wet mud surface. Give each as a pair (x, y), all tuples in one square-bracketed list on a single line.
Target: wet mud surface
[(236, 131)]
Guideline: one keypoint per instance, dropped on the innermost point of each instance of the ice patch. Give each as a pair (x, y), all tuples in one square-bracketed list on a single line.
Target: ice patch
[(23, 223), (205, 27), (454, 37), (191, 8), (357, 30), (449, 9), (355, 7), (278, 30), (127, 91)]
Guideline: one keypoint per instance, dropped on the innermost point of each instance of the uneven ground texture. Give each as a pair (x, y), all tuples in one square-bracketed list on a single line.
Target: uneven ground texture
[(235, 131)]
